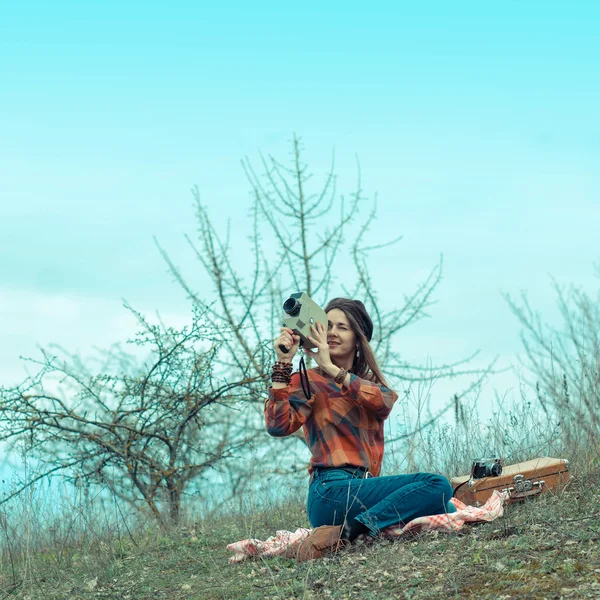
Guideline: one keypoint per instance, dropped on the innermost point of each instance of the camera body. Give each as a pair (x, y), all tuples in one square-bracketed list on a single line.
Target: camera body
[(486, 467), (300, 313)]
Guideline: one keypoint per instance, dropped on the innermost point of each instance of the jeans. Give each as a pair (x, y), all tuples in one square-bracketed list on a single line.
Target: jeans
[(377, 502)]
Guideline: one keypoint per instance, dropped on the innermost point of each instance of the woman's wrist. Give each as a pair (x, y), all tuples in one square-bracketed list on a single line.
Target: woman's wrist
[(334, 371), (278, 385), (282, 372), (331, 369)]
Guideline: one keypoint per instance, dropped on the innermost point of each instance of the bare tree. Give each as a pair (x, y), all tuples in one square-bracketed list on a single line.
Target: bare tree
[(564, 362), (149, 433), (292, 251)]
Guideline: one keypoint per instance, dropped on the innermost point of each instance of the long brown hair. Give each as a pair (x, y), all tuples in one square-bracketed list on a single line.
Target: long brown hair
[(364, 364)]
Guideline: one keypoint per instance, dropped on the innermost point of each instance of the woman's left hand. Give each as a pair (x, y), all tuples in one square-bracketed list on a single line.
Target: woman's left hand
[(319, 339)]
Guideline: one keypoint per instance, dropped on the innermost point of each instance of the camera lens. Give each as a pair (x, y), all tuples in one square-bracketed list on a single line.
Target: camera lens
[(291, 306), (495, 469)]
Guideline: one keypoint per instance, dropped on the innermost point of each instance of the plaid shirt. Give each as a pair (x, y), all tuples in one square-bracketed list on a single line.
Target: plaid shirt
[(343, 426)]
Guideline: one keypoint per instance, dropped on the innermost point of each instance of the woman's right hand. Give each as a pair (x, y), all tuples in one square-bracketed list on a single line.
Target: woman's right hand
[(289, 340)]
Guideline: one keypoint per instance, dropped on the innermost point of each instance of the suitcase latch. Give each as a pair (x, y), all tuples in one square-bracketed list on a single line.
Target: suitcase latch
[(523, 486)]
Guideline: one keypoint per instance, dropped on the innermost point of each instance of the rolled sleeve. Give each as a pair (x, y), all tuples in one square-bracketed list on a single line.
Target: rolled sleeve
[(371, 396), (287, 409)]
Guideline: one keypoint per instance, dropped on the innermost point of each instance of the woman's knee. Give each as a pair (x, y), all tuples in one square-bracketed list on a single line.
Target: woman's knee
[(440, 484)]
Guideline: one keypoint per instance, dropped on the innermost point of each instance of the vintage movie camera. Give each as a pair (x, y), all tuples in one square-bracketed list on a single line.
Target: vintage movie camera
[(300, 313)]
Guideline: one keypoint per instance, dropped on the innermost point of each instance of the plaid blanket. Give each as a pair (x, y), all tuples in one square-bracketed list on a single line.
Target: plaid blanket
[(285, 543)]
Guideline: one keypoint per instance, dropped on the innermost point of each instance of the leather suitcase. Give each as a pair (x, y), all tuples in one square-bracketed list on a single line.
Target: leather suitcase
[(522, 480)]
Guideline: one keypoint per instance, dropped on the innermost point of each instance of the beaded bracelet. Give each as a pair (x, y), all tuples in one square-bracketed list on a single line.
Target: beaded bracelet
[(282, 365), (282, 372), (280, 379), (339, 378)]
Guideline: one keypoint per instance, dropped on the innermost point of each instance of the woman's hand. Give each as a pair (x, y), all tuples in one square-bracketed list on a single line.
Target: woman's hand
[(319, 339), (290, 341)]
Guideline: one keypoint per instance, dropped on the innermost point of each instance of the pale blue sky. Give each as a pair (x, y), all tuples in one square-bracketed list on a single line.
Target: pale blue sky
[(477, 126)]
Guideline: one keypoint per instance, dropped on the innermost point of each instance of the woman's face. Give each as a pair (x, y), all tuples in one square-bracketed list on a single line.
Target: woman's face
[(340, 337)]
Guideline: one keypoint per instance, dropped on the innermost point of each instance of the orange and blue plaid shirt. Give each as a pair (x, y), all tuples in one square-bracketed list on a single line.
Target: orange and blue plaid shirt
[(343, 426)]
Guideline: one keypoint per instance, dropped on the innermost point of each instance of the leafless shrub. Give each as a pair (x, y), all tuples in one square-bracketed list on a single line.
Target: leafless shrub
[(148, 433), (563, 362), (299, 239)]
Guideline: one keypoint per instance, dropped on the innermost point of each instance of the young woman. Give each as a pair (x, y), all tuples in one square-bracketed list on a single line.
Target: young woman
[(343, 427)]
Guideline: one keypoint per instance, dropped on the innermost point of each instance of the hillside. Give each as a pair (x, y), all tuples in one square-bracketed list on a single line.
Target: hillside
[(547, 548)]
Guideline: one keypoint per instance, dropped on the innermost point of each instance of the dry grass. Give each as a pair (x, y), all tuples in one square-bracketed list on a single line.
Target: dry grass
[(546, 548)]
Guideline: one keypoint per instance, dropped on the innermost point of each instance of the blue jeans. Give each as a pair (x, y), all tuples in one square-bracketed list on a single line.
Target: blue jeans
[(377, 502)]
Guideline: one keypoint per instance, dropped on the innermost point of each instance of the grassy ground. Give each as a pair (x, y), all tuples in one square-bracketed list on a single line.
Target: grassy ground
[(547, 548)]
